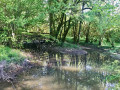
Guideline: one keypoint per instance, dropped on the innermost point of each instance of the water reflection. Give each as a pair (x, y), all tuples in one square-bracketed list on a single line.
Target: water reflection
[(66, 72)]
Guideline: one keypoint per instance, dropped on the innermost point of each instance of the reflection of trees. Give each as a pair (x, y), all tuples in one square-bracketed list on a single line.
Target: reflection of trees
[(76, 79), (88, 78), (97, 59), (71, 79), (85, 78)]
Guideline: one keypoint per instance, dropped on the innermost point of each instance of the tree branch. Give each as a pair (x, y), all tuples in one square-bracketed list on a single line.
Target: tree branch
[(87, 8)]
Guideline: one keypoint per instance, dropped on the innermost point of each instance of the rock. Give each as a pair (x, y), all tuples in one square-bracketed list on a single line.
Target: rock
[(27, 63), (3, 62), (2, 65), (1, 71)]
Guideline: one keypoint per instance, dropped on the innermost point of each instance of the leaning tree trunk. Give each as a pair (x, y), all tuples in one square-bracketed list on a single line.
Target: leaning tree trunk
[(66, 31), (59, 26)]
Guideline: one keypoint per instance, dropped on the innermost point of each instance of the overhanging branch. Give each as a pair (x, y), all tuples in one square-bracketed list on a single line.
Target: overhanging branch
[(87, 8)]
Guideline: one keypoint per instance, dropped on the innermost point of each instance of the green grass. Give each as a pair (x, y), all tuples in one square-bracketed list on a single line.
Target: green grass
[(115, 50), (69, 39), (104, 43), (10, 55), (113, 67), (67, 45)]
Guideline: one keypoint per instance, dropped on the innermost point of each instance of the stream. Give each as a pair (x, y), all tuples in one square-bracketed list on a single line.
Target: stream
[(61, 71)]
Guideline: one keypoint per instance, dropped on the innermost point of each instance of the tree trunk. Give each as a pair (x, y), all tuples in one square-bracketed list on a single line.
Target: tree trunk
[(65, 24), (51, 23), (80, 26), (75, 29), (112, 44), (50, 19), (87, 34), (66, 31), (60, 25), (11, 35), (74, 33), (100, 41)]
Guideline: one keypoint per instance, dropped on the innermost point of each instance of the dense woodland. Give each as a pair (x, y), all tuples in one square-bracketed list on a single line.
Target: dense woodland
[(93, 21)]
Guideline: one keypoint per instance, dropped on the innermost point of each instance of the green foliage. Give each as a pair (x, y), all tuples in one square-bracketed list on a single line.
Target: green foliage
[(114, 68), (10, 55), (17, 15), (104, 22), (69, 39), (22, 16), (115, 50)]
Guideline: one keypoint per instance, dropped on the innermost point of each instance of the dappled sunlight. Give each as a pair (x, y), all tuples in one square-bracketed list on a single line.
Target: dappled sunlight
[(70, 68), (26, 54)]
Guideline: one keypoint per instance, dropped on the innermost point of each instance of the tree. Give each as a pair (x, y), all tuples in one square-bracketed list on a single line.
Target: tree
[(101, 15), (17, 15)]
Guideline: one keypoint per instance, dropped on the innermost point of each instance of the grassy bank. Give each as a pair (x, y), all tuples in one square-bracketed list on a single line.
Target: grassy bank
[(10, 55), (114, 68), (104, 45)]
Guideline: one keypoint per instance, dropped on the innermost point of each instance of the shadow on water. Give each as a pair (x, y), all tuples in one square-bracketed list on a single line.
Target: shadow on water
[(65, 72)]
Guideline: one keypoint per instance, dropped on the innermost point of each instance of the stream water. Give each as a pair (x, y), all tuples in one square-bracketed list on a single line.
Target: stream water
[(65, 72)]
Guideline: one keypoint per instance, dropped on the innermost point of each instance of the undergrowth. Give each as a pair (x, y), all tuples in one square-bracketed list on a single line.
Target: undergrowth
[(113, 67), (10, 55)]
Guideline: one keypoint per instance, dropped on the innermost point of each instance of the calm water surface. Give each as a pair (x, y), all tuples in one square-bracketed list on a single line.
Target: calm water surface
[(65, 72)]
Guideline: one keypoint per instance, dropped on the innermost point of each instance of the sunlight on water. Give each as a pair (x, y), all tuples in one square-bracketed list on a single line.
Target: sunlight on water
[(70, 68)]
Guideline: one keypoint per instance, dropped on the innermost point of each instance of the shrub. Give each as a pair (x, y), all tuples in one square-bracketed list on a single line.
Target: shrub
[(10, 55)]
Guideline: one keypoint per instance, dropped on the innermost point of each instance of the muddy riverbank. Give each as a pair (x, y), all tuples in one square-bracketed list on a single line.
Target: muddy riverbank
[(9, 72), (72, 69)]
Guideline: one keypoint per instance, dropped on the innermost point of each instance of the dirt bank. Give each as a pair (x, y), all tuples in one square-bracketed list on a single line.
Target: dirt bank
[(9, 72)]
